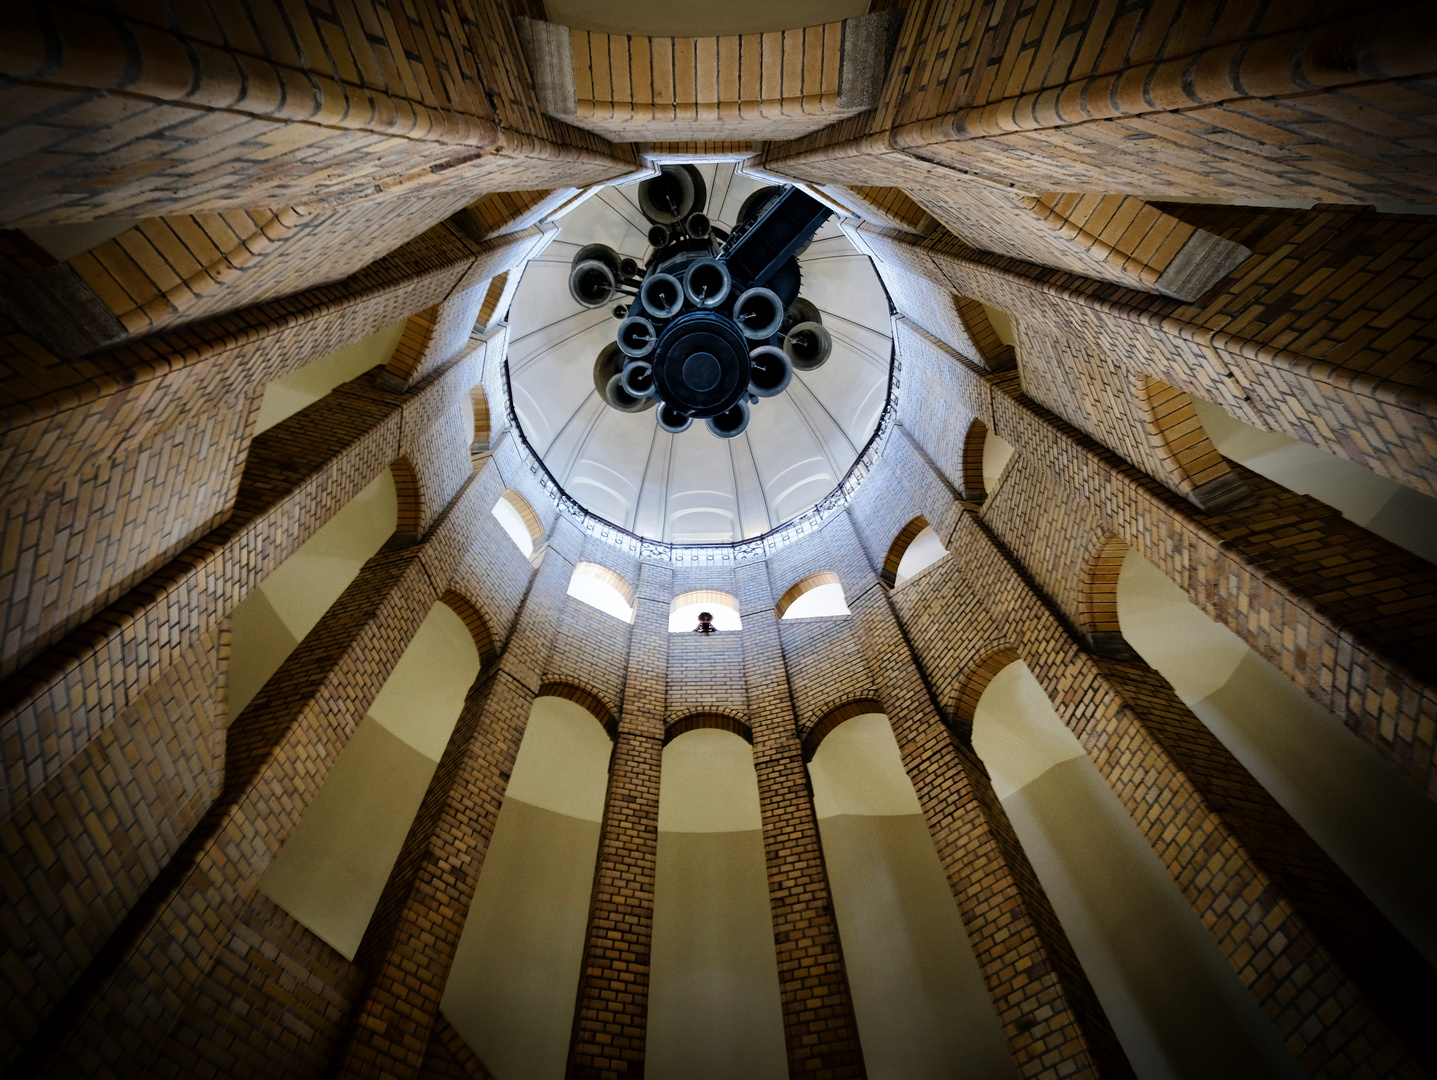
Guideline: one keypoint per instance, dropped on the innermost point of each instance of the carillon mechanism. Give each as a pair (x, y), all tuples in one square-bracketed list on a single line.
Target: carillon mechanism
[(714, 321)]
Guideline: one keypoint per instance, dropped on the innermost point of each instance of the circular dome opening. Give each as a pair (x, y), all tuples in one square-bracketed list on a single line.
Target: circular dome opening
[(664, 472)]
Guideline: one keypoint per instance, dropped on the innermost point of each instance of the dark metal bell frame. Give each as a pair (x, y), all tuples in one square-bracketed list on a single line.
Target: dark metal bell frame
[(715, 322)]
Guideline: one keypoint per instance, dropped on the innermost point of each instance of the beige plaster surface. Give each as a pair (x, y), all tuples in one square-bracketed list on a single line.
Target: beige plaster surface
[(289, 394), (1380, 829), (1405, 517), (1169, 993), (511, 990), (275, 616), (714, 1008), (330, 873), (922, 1008)]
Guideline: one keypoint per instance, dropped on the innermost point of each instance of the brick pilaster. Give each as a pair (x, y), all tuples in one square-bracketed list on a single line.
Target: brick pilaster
[(411, 941), (819, 1025), (611, 1016), (1252, 877), (278, 753), (1046, 1007)]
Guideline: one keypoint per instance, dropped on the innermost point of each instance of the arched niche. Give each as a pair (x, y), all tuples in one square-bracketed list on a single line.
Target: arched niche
[(270, 621), (287, 395), (918, 994), (915, 548), (409, 500), (1396, 513), (986, 457), (714, 1007), (512, 987), (478, 415), (601, 588), (1378, 828), (519, 520), (1173, 1001), (330, 873), (684, 610), (816, 596), (1193, 464)]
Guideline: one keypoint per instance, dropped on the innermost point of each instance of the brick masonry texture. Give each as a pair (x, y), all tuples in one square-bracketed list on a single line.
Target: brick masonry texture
[(292, 177), (820, 1028)]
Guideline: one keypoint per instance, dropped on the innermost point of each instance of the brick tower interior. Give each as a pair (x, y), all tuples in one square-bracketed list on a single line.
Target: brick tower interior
[(1074, 718)]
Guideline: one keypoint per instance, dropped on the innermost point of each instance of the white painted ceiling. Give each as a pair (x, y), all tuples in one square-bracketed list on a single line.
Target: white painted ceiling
[(693, 487)]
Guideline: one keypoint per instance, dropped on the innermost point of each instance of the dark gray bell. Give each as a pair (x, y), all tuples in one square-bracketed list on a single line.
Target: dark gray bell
[(619, 398), (637, 335), (770, 371), (673, 421), (663, 295), (669, 197), (758, 313), (592, 284), (707, 283), (731, 424), (808, 345)]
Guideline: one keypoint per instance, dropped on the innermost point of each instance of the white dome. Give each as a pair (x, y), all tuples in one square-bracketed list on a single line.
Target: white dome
[(694, 488)]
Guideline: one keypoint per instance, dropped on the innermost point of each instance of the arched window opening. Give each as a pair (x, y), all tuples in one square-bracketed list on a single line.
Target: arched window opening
[(519, 521), (600, 587), (331, 871), (1133, 930), (684, 610), (915, 547), (816, 596), (413, 345), (1335, 786), (713, 951), (511, 990), (918, 993)]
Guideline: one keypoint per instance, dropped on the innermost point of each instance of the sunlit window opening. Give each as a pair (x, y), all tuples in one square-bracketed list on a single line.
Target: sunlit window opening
[(997, 454), (684, 611), (508, 516), (814, 597), (925, 550), (600, 587)]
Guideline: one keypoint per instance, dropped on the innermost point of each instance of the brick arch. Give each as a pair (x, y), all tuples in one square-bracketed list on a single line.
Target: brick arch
[(724, 721), (704, 596), (608, 577), (479, 401), (413, 344), (896, 550), (971, 469), (590, 699), (798, 588), (995, 355), (834, 715), (971, 686), (409, 495), (1195, 468), (526, 512), (1098, 598), (479, 628)]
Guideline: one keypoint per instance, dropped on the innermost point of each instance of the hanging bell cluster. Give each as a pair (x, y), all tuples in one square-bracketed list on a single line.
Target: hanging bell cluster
[(713, 320)]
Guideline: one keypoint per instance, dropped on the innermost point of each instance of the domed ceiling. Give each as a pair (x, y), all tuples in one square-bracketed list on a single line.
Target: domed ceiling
[(694, 488)]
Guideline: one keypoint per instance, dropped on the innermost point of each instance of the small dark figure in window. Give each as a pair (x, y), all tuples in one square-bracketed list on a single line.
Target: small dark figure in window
[(706, 624)]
